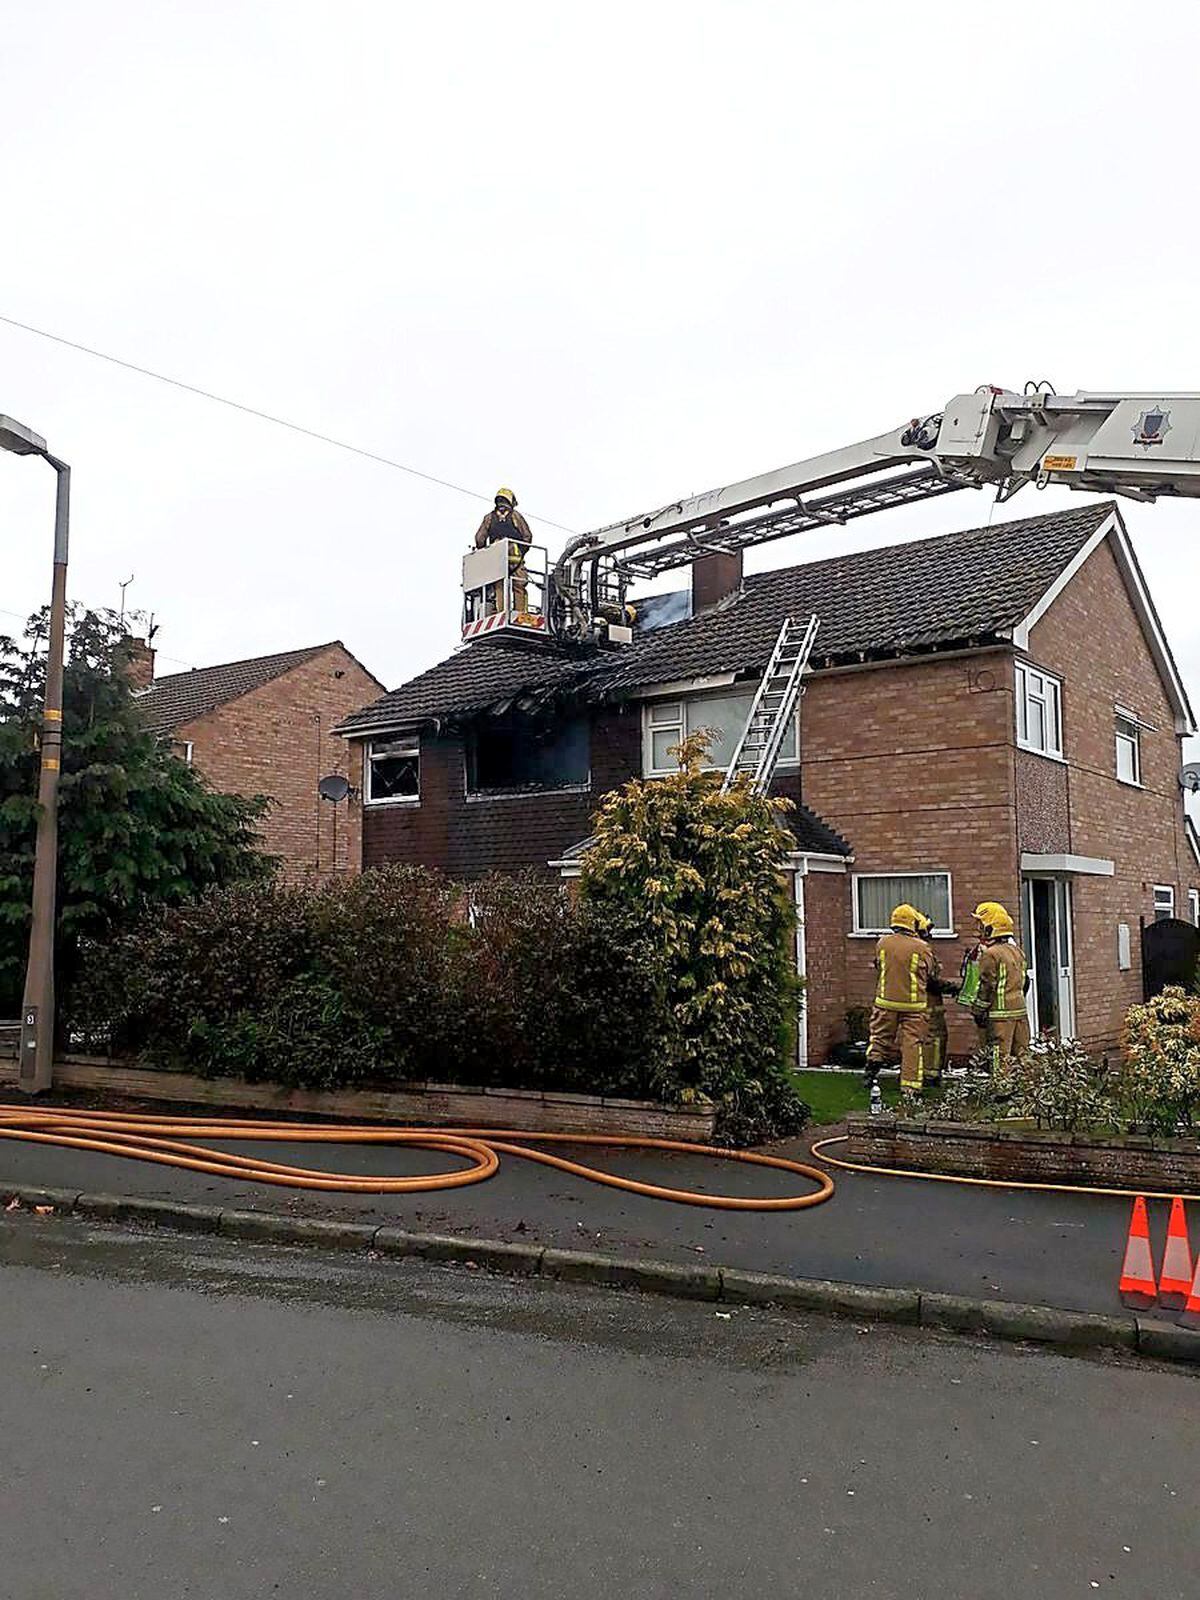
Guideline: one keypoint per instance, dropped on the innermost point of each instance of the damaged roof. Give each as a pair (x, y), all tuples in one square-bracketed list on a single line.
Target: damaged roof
[(956, 589)]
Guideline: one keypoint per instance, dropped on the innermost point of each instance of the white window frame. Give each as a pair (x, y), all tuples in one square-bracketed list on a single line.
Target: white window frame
[(1032, 686), (1194, 907), (185, 749), (655, 719), (860, 932), (1164, 900), (1121, 723), (414, 743)]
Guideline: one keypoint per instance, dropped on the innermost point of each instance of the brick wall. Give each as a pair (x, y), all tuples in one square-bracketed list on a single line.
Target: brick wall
[(277, 741), (913, 765), (1092, 639), (826, 917), (467, 837)]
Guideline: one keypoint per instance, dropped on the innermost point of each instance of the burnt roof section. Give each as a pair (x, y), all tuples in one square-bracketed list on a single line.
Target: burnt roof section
[(930, 594), (181, 697)]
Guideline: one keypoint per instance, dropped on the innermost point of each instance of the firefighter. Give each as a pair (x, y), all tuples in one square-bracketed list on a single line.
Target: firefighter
[(899, 1020), (1003, 980), (504, 521), (935, 1054)]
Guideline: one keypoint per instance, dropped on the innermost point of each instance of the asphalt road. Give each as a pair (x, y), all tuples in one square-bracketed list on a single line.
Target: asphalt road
[(187, 1417), (1004, 1244)]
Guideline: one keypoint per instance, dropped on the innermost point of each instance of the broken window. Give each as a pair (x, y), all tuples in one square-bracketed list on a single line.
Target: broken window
[(515, 754), (393, 771)]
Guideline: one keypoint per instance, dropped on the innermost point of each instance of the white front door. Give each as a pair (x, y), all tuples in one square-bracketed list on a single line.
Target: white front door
[(1046, 915)]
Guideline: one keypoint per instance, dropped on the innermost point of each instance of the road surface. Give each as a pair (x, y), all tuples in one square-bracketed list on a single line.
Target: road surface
[(196, 1417)]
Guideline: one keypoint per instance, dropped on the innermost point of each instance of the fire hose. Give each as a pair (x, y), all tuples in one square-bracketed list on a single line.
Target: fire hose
[(169, 1142)]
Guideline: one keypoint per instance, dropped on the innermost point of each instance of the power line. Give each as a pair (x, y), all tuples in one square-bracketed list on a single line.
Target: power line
[(174, 660), (263, 416)]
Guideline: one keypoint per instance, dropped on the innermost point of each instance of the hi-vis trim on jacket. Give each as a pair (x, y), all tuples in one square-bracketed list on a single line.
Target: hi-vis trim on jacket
[(903, 964), (1008, 1001)]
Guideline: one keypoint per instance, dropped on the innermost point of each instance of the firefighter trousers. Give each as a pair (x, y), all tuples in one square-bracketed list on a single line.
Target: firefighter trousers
[(935, 1049), (900, 1034), (1006, 1037)]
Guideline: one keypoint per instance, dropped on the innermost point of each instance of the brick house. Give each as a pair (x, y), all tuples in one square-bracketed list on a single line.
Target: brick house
[(265, 726), (990, 714)]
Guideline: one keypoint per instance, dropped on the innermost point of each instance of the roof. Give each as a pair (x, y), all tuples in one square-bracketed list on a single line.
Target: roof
[(956, 589), (183, 696)]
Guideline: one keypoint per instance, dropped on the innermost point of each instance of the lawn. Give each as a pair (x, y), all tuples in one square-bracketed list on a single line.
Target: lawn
[(833, 1095)]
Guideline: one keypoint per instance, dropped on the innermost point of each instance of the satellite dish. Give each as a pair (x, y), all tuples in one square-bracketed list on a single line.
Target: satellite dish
[(335, 787), (1189, 778)]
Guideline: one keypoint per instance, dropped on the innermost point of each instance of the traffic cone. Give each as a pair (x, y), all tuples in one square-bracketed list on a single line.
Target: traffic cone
[(1190, 1317), (1137, 1272), (1175, 1282)]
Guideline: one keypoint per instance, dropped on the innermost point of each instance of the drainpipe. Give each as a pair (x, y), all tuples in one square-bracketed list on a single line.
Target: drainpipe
[(801, 963)]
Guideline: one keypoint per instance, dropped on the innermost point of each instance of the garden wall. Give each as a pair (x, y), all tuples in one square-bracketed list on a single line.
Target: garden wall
[(1025, 1155), (419, 1104)]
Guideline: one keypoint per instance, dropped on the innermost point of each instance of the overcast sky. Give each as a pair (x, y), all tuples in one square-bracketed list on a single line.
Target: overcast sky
[(608, 255)]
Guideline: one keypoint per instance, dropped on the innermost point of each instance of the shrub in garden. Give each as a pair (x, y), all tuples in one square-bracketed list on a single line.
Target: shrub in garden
[(702, 870), (1058, 1085), (1160, 1073), (387, 978)]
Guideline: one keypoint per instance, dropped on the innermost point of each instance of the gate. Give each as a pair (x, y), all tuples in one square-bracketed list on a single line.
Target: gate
[(1170, 951)]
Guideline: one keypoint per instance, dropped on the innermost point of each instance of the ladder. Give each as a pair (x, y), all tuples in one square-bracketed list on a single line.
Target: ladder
[(773, 707)]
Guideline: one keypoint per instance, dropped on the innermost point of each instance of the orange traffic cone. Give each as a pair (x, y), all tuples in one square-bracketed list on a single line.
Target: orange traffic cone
[(1191, 1306), (1175, 1283), (1137, 1272)]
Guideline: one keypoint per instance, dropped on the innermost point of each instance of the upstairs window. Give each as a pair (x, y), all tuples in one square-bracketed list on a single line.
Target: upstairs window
[(669, 722), (521, 756), (393, 772), (1129, 749), (1164, 901), (1039, 711)]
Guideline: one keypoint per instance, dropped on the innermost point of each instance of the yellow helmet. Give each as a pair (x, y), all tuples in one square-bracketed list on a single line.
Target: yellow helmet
[(924, 925), (907, 917), (508, 495), (995, 920)]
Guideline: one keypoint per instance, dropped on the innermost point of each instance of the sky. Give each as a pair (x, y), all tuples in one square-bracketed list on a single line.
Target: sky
[(607, 255)]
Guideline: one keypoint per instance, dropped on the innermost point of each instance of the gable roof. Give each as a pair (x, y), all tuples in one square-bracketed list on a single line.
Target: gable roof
[(183, 696), (968, 588)]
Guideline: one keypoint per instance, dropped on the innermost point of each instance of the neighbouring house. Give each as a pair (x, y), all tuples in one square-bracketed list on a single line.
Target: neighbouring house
[(265, 726), (991, 714)]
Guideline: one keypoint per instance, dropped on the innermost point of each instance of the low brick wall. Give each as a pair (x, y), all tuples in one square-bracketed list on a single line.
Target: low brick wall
[(1019, 1155), (436, 1104)]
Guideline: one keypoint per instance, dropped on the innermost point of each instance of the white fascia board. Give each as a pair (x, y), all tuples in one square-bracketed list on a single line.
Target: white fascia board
[(1127, 564), (818, 861), (1020, 634), (1079, 866), (678, 686)]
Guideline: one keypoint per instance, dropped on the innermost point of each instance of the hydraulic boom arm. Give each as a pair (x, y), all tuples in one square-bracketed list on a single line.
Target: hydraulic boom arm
[(1141, 445)]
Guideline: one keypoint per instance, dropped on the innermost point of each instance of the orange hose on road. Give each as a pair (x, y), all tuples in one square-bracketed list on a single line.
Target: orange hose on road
[(157, 1139)]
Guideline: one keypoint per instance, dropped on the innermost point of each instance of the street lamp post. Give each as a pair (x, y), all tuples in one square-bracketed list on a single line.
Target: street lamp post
[(35, 1069)]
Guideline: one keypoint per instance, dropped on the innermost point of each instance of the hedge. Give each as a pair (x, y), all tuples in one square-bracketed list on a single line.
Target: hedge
[(399, 975)]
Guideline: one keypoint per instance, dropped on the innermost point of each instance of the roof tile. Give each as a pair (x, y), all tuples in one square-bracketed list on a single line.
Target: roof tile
[(956, 588), (183, 696)]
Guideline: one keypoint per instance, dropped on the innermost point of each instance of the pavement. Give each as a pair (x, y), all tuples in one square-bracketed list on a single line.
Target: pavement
[(191, 1416), (997, 1244)]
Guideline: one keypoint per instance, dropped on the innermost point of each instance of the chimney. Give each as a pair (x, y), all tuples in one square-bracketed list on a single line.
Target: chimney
[(715, 578), (139, 663)]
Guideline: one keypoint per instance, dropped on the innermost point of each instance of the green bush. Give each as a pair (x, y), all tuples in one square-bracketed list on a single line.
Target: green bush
[(393, 976), (701, 870), (1160, 1072)]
